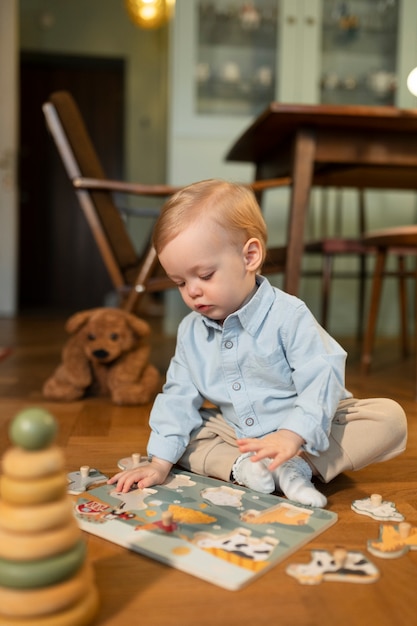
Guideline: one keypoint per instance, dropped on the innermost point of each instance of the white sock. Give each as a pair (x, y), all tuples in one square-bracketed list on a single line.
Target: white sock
[(256, 475), (294, 479)]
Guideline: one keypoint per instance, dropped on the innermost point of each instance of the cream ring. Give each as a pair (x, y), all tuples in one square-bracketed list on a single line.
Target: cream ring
[(80, 614), (31, 546), (34, 491), (35, 602), (43, 572), (32, 519), (29, 464)]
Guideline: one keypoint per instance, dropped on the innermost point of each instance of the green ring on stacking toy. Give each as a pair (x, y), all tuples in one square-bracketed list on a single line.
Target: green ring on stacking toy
[(33, 429), (43, 572)]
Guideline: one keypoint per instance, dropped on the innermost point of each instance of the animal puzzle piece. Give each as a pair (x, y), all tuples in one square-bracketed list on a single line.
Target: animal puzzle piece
[(178, 482), (338, 566), (78, 482), (238, 543), (377, 508), (282, 513), (394, 540), (133, 499), (129, 462), (223, 496)]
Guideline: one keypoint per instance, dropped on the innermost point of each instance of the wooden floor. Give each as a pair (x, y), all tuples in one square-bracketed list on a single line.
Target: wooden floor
[(135, 589)]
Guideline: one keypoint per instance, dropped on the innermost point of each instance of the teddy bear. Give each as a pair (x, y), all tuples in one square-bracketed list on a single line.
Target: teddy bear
[(107, 354)]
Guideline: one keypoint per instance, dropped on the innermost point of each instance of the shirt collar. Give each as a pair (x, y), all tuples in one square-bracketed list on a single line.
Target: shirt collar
[(251, 314)]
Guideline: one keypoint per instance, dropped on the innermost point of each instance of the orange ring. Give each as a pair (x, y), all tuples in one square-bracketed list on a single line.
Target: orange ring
[(31, 546), (81, 614), (35, 491), (30, 464), (35, 518)]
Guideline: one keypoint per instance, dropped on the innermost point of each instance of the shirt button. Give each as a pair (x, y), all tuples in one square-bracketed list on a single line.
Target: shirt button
[(236, 386), (249, 421), (228, 344)]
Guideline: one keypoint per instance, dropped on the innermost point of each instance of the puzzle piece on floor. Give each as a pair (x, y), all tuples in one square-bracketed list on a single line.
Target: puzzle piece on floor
[(134, 460), (338, 566), (80, 481), (394, 540), (377, 508)]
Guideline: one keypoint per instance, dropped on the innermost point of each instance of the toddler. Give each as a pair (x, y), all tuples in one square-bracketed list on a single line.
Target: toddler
[(275, 377)]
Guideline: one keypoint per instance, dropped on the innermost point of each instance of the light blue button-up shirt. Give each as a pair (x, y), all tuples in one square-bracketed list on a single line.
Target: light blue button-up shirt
[(270, 366)]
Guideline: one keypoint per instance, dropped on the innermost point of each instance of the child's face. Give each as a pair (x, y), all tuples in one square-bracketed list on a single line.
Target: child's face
[(214, 275)]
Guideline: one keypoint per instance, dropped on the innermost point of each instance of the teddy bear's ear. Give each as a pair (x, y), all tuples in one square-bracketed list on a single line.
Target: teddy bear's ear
[(77, 320), (138, 325)]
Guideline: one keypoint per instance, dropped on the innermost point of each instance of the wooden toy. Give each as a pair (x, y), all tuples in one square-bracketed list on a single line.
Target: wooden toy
[(45, 578), (377, 508), (17, 463), (80, 481), (132, 461), (224, 534), (394, 540), (338, 566)]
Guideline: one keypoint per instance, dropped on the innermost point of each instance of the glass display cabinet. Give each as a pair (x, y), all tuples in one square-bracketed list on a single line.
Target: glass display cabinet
[(232, 57), (235, 71), (359, 52)]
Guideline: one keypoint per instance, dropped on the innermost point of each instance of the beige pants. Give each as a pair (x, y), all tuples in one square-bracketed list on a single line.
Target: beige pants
[(363, 432)]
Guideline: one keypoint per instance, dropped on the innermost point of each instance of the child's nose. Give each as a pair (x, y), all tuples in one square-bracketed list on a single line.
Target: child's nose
[(194, 289)]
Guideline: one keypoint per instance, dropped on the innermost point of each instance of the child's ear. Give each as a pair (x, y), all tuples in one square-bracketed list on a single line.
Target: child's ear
[(252, 252)]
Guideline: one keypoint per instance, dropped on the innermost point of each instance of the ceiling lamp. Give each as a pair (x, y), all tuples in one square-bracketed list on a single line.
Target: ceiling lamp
[(149, 13)]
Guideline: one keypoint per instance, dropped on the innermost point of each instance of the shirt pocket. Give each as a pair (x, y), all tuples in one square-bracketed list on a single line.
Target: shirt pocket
[(268, 371)]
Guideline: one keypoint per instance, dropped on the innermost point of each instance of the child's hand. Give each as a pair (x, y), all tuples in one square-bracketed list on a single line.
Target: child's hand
[(153, 473), (279, 447)]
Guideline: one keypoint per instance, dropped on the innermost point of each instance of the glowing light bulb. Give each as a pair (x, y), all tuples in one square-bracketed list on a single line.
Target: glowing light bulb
[(412, 81)]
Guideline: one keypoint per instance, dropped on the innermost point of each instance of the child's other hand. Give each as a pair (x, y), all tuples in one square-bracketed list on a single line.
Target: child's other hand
[(279, 447), (153, 473)]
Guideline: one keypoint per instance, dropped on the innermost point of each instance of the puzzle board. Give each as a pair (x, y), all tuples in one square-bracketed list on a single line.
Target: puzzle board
[(225, 534)]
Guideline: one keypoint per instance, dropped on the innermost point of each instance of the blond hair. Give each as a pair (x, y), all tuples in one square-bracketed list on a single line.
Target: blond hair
[(230, 205)]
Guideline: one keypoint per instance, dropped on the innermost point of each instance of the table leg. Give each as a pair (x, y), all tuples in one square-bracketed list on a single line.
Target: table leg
[(302, 176)]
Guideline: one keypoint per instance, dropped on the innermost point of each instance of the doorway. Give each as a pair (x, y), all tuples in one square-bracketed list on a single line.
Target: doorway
[(60, 269)]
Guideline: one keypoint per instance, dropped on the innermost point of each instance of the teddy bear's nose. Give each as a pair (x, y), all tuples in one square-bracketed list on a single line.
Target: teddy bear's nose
[(100, 353)]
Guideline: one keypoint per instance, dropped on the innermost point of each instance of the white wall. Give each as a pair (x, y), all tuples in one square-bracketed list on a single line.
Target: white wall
[(8, 157)]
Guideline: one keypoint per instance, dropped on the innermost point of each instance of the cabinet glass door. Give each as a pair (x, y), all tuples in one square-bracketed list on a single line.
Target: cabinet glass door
[(359, 52), (235, 71)]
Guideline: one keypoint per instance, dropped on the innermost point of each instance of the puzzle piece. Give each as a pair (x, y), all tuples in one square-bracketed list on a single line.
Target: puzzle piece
[(337, 566), (394, 540), (78, 482), (133, 499), (237, 546), (132, 461), (377, 508)]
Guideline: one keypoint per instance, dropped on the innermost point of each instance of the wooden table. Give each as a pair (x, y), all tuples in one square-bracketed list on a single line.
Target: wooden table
[(328, 146)]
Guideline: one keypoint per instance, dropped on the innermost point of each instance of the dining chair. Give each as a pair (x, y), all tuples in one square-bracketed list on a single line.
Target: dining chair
[(400, 241), (332, 244), (132, 273)]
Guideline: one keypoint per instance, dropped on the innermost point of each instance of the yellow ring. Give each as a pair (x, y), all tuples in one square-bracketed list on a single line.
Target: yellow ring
[(35, 518), (80, 614), (30, 464), (31, 546), (35, 491), (35, 602)]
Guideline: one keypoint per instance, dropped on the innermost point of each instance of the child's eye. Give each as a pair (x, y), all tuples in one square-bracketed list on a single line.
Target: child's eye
[(207, 276)]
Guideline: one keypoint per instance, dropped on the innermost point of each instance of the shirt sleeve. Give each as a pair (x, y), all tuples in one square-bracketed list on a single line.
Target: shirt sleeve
[(175, 413), (318, 363)]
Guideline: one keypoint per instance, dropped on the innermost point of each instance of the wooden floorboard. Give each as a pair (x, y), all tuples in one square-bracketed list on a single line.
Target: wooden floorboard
[(135, 589)]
